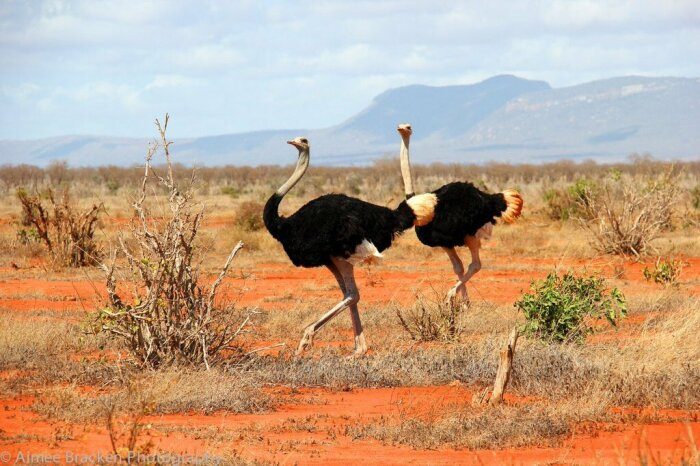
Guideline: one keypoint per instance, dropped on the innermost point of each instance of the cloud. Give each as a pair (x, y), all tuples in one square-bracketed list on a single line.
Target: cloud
[(100, 67)]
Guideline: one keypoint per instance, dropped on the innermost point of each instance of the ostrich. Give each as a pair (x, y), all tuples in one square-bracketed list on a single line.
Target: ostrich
[(464, 215), (338, 232)]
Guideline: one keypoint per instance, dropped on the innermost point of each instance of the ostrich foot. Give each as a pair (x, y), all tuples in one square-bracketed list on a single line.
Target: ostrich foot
[(307, 341), (458, 296), (360, 346)]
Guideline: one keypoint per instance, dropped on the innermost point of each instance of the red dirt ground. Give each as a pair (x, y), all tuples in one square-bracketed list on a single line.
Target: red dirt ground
[(326, 414)]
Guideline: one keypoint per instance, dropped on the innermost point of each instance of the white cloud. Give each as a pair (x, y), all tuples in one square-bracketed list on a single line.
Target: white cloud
[(104, 67)]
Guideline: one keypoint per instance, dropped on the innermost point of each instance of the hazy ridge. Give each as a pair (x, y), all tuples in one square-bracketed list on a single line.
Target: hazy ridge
[(504, 118)]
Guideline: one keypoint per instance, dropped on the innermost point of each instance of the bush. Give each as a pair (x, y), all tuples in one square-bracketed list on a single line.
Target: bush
[(665, 271), (230, 191), (563, 204), (430, 321), (172, 318), (695, 197), (558, 308), (249, 216), (55, 221), (625, 215)]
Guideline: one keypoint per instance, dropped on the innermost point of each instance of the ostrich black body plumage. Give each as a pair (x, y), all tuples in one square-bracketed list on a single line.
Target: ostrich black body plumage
[(334, 225), (337, 231), (463, 215), (462, 209)]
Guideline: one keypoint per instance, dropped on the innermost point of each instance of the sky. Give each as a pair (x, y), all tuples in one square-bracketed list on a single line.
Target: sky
[(110, 67)]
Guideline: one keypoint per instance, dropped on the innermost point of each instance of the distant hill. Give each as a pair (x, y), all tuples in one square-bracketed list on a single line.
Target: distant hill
[(504, 118)]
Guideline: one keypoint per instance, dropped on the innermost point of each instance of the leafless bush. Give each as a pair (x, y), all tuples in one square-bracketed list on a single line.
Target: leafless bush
[(67, 232), (628, 214), (431, 320), (172, 318)]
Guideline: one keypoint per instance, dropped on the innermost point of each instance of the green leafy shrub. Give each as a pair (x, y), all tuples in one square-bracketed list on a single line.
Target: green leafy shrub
[(565, 203), (560, 308), (665, 271), (249, 216), (231, 191)]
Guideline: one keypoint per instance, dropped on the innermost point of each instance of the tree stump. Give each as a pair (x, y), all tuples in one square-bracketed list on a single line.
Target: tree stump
[(505, 366)]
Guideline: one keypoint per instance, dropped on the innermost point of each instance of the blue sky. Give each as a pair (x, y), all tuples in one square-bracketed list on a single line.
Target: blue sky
[(111, 67)]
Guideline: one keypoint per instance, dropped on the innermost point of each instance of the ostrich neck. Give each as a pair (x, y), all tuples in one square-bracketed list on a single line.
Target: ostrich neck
[(302, 166), (406, 168)]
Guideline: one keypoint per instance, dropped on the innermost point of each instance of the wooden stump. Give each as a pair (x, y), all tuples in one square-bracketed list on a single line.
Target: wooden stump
[(505, 366)]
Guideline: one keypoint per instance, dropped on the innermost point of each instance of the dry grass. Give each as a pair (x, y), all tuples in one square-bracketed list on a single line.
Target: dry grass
[(538, 423), (165, 392), (655, 364), (579, 383)]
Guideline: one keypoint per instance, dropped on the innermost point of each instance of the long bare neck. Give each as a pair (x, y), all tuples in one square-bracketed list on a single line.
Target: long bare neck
[(302, 166), (406, 167), (271, 215)]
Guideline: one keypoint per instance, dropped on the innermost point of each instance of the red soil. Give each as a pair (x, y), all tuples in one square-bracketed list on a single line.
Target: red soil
[(311, 426), (310, 429)]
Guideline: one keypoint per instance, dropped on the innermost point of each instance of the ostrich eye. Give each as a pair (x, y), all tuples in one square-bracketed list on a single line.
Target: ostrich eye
[(304, 141)]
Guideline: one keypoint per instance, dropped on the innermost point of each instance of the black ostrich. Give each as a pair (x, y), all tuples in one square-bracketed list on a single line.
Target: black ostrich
[(337, 231), (464, 215)]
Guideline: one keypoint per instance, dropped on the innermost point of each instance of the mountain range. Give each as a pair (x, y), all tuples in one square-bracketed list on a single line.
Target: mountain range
[(504, 118)]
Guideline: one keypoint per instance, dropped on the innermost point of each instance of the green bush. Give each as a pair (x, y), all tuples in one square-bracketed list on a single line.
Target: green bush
[(665, 271), (565, 203), (560, 308), (231, 191)]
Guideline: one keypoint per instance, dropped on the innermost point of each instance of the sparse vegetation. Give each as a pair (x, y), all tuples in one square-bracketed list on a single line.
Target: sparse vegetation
[(695, 197), (627, 214), (249, 216), (664, 271), (55, 220), (428, 320), (177, 320), (558, 307), (438, 357), (570, 202)]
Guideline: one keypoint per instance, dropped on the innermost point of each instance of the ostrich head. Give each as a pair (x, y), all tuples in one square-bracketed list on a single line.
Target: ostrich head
[(301, 143), (405, 130)]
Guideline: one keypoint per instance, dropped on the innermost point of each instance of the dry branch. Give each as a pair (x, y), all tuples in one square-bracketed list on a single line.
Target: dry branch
[(171, 318), (505, 367), (626, 214), (67, 232)]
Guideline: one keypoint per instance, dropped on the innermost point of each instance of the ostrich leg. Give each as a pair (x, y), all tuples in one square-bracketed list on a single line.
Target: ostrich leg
[(344, 273), (460, 287), (360, 343)]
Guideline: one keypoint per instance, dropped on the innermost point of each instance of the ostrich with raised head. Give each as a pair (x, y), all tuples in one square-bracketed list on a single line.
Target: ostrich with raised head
[(464, 216), (338, 232)]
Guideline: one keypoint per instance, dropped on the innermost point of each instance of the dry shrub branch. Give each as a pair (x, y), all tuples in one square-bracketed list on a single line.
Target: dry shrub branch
[(172, 318), (428, 320), (67, 232), (627, 214)]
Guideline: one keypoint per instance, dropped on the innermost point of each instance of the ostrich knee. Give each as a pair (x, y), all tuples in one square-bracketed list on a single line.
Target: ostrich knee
[(353, 298), (474, 267)]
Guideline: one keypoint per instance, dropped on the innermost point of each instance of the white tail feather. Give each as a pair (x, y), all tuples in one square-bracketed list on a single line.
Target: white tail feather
[(423, 207), (365, 252)]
